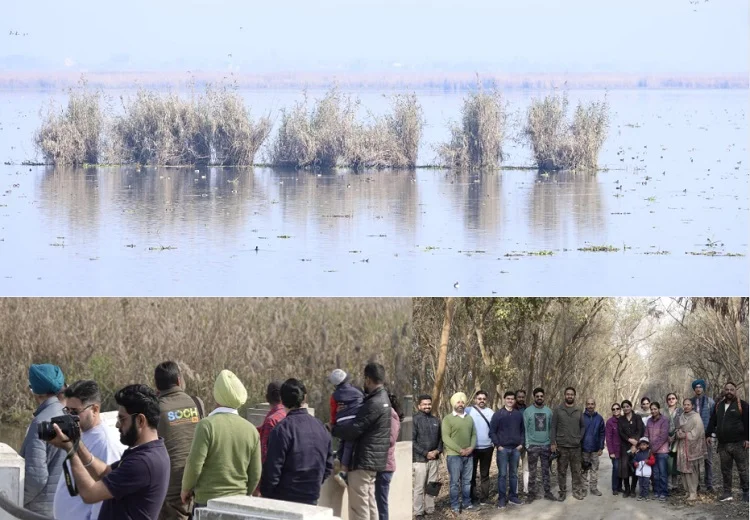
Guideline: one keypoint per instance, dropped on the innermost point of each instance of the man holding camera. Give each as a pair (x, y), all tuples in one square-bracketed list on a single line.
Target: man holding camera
[(135, 486), (43, 462), (83, 400)]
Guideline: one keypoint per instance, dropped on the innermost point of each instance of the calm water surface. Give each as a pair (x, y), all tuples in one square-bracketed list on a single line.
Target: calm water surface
[(677, 189)]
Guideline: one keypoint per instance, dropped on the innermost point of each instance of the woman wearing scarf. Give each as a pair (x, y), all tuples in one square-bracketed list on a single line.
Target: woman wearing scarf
[(672, 412), (630, 427), (612, 436), (691, 448), (224, 458)]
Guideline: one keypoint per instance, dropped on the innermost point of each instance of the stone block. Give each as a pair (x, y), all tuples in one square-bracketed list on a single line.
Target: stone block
[(245, 507), (12, 472)]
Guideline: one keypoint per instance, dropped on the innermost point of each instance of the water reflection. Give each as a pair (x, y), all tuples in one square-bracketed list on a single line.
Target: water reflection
[(565, 204)]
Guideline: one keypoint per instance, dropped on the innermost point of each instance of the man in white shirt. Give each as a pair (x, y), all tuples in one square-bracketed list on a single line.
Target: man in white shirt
[(481, 414), (83, 399)]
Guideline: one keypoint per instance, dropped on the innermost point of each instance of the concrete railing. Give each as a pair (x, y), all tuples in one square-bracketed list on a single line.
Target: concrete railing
[(12, 472), (246, 508)]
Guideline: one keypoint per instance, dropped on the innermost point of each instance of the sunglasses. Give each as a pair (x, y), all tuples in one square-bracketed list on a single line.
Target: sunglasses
[(615, 408), (74, 411), (671, 398)]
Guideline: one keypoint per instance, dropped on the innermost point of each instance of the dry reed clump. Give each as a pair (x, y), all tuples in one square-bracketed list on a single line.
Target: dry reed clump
[(560, 145), (319, 139), (391, 141), (119, 341), (74, 136), (168, 130), (478, 141)]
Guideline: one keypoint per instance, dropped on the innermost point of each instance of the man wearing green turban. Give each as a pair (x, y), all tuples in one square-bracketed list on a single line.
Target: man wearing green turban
[(459, 440), (43, 461), (233, 466)]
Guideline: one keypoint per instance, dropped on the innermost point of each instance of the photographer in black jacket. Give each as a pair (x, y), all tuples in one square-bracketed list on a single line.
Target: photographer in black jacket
[(371, 429), (729, 424)]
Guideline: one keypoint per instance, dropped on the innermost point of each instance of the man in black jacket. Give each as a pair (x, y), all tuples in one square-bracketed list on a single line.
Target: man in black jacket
[(371, 429), (729, 424), (299, 456), (427, 445)]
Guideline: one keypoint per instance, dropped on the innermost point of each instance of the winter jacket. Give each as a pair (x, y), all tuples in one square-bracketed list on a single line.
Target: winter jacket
[(395, 428), (507, 428), (299, 459), (730, 425), (593, 432), (704, 405), (426, 436), (567, 426), (43, 461), (348, 400), (613, 437), (643, 460), (658, 434), (371, 428)]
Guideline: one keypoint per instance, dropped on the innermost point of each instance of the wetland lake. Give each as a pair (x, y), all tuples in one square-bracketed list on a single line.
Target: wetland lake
[(667, 215)]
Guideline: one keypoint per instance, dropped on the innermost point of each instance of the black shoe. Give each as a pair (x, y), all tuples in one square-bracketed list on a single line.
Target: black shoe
[(561, 497), (725, 497), (549, 496), (615, 493), (530, 498)]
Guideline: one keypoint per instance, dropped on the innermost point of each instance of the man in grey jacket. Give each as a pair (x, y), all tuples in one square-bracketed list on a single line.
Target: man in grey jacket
[(43, 462), (566, 434)]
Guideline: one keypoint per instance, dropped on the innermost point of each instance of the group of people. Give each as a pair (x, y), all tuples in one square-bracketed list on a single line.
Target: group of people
[(653, 452), (172, 456)]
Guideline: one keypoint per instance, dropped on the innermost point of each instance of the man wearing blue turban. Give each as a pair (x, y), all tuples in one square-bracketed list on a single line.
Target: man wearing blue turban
[(43, 461)]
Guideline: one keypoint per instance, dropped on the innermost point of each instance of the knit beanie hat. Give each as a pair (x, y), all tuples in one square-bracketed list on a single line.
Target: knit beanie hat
[(337, 377), (458, 396), (45, 379), (229, 390)]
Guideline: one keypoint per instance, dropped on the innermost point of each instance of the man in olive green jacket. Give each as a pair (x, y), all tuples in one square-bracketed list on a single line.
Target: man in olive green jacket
[(179, 415)]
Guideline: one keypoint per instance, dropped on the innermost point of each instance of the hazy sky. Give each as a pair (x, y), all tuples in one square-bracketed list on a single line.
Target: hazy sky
[(627, 36)]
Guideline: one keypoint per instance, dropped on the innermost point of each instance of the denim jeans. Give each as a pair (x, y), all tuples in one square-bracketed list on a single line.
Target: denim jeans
[(660, 474), (643, 483), (507, 466), (459, 470), (616, 480), (382, 486)]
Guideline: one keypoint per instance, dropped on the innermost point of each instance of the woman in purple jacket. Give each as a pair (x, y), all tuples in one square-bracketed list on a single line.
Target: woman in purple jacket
[(613, 447), (383, 478)]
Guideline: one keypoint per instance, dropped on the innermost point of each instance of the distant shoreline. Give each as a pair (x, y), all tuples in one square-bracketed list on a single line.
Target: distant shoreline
[(448, 82)]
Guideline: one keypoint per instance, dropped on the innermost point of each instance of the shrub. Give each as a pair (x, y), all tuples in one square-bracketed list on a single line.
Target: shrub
[(72, 137), (319, 140), (478, 141), (169, 130), (559, 145)]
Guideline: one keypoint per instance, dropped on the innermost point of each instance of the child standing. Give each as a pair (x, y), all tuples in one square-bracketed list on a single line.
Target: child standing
[(348, 399), (643, 461)]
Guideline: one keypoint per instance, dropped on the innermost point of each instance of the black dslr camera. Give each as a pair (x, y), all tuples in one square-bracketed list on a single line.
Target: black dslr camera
[(68, 424)]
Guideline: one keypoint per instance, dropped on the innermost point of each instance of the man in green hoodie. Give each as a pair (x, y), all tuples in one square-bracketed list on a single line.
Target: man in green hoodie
[(538, 423), (459, 440), (566, 434)]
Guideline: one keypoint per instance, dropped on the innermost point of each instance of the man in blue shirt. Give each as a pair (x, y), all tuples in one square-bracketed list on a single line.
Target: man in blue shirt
[(299, 456), (592, 446), (508, 435), (481, 414)]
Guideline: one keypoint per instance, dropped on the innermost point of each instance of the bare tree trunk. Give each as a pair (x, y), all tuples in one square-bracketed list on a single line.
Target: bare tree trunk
[(437, 390)]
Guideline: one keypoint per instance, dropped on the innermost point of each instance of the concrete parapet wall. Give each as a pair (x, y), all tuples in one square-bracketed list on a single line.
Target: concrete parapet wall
[(246, 508), (12, 471)]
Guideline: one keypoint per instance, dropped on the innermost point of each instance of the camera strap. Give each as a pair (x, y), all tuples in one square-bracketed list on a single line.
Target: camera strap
[(72, 487)]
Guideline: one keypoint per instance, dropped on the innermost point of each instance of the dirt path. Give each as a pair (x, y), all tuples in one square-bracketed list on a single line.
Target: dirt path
[(606, 506)]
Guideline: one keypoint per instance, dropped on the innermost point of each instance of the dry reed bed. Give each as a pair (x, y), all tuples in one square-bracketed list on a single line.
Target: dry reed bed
[(215, 128), (118, 341)]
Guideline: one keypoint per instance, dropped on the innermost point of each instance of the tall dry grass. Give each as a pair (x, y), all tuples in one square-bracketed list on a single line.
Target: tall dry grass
[(72, 136), (330, 135), (558, 144), (166, 129), (119, 341), (390, 141), (478, 141)]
